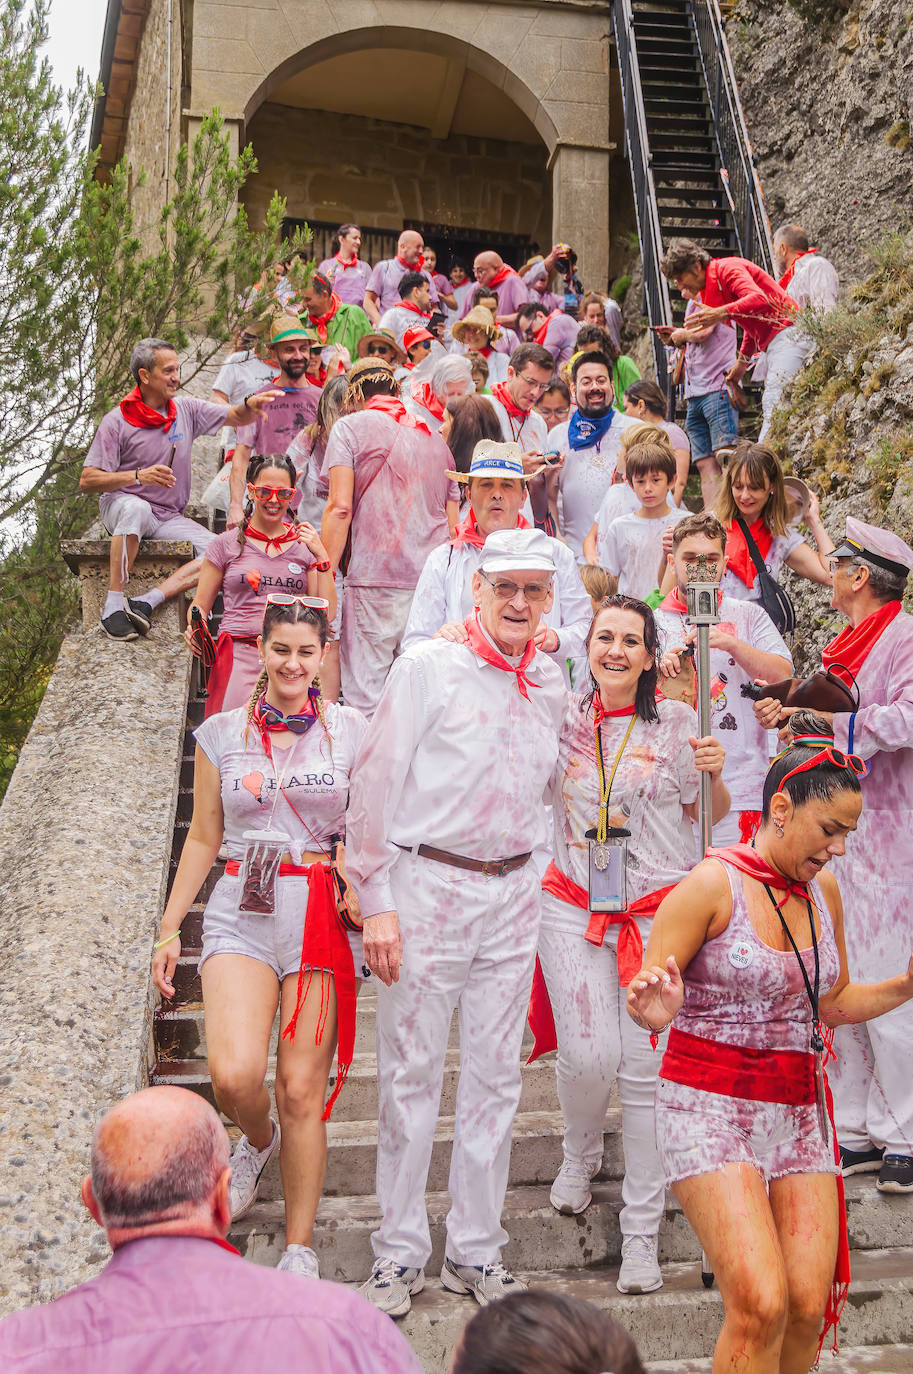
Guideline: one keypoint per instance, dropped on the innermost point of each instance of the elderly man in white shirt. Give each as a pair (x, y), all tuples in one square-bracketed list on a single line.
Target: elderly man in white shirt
[(806, 276), (446, 807), (496, 486)]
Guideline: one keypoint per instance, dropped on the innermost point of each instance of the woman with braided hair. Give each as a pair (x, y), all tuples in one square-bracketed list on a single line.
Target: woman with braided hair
[(747, 962), (273, 775), (266, 552)]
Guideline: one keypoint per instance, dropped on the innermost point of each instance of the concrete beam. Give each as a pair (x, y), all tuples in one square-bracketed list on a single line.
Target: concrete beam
[(442, 119)]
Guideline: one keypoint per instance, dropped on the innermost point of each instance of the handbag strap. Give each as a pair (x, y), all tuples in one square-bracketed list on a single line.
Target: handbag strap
[(754, 552), (851, 688)]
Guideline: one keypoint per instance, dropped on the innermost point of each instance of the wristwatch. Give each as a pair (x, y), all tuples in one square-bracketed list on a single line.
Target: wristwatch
[(322, 567)]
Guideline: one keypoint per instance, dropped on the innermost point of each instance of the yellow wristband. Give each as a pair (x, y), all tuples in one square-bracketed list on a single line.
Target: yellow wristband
[(167, 940)]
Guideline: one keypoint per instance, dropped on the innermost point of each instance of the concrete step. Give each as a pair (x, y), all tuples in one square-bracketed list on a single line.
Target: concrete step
[(539, 1236), (682, 1320), (535, 1154), (856, 1359), (358, 1099)]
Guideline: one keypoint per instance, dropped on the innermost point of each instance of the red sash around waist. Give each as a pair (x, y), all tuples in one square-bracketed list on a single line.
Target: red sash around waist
[(785, 1076), (233, 868), (221, 670)]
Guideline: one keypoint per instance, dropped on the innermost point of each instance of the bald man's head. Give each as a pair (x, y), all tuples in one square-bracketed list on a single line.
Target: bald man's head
[(157, 1156), (410, 247), (485, 266)]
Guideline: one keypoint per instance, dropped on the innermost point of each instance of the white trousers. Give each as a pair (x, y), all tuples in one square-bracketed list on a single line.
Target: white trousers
[(785, 354), (870, 1080), (598, 1043), (468, 942), (373, 624)]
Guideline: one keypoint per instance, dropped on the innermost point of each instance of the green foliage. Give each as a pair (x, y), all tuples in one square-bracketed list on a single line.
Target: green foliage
[(820, 12), (620, 287), (898, 136), (80, 283)]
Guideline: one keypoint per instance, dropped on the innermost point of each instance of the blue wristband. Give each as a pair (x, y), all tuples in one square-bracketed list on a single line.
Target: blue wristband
[(850, 733)]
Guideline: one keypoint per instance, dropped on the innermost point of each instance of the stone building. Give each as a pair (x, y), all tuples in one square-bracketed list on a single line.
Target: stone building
[(476, 121)]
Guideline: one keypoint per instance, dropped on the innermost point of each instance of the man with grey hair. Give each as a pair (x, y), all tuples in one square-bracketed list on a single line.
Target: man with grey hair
[(427, 400), (159, 1187), (446, 807), (807, 275), (139, 465)]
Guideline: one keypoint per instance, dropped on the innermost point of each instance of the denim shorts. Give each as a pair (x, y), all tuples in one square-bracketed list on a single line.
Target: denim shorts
[(712, 422)]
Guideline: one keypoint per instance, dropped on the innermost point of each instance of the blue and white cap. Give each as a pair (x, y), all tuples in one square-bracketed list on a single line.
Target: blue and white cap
[(491, 459)]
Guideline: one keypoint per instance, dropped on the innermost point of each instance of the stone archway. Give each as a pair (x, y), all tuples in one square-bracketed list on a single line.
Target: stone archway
[(550, 62)]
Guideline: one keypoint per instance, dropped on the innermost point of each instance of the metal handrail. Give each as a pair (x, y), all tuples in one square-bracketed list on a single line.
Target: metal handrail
[(740, 178), (637, 148)]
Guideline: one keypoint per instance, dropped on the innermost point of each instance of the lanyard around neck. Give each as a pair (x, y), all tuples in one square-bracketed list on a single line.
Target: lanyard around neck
[(812, 992), (605, 788)]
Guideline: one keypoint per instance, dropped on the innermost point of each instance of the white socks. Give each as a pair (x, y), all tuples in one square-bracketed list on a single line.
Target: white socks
[(114, 601), (152, 599)]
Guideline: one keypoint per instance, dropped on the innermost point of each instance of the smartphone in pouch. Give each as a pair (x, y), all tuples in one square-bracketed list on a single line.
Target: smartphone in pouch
[(608, 864)]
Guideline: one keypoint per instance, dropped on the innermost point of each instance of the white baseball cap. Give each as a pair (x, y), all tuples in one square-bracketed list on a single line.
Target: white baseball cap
[(517, 551), (882, 547)]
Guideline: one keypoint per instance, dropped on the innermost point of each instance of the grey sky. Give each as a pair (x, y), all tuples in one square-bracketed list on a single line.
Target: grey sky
[(76, 28)]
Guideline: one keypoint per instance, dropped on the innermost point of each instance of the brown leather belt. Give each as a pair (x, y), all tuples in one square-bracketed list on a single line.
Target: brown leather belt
[(491, 868)]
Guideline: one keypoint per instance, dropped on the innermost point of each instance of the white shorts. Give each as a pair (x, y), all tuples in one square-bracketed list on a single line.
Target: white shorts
[(123, 513)]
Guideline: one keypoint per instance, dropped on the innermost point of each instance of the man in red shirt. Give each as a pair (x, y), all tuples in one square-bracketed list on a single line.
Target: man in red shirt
[(739, 292)]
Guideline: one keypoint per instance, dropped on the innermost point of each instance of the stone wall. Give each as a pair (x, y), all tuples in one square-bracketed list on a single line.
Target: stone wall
[(147, 132), (341, 167)]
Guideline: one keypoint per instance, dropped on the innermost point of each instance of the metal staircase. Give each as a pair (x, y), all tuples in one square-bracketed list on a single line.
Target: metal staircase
[(692, 166)]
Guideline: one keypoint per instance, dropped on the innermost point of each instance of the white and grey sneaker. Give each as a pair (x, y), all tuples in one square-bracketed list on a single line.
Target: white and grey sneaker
[(640, 1271), (570, 1193), (247, 1165), (392, 1287), (486, 1282), (300, 1259)]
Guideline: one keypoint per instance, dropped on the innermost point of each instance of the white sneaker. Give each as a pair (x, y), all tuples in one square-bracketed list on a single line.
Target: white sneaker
[(486, 1282), (300, 1259), (570, 1193), (391, 1287), (640, 1271), (247, 1165)]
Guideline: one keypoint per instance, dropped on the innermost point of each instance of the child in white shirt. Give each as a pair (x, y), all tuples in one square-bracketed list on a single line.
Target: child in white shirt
[(631, 548), (620, 498)]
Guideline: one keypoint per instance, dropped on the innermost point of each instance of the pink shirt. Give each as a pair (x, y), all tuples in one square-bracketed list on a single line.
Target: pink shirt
[(244, 606), (561, 338), (385, 280), (282, 420), (512, 292), (707, 362), (222, 1312), (401, 516), (350, 281), (121, 447)]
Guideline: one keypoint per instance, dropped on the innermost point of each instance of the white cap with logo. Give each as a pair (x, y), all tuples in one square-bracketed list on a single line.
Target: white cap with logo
[(517, 551)]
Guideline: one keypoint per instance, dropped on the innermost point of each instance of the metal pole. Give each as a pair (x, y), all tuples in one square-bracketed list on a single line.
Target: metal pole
[(703, 692)]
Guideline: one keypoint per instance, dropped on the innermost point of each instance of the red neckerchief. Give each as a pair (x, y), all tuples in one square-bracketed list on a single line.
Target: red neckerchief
[(738, 559), (502, 274), (317, 381), (352, 263), (852, 646), (320, 322), (417, 267), (289, 535), (486, 651), (674, 601), (747, 860), (265, 727), (501, 393), (469, 533), (425, 397), (217, 1240), (140, 416), (410, 305), (485, 351), (390, 405), (791, 269), (600, 713), (541, 333)]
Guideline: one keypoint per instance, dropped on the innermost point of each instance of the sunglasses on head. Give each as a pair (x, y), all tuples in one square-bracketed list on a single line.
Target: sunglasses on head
[(827, 754), (273, 493), (316, 603)]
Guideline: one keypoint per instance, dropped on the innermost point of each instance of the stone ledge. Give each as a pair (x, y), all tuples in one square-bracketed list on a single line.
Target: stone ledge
[(85, 843), (89, 561)]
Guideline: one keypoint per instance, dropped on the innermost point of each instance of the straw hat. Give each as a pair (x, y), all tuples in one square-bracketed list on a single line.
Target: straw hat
[(381, 336), (286, 327), (479, 317), (491, 459), (798, 492)]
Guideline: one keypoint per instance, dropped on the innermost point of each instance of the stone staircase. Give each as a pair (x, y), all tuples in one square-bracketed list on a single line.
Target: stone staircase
[(579, 1255)]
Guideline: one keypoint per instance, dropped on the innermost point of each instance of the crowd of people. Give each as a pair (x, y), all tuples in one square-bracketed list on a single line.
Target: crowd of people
[(452, 746)]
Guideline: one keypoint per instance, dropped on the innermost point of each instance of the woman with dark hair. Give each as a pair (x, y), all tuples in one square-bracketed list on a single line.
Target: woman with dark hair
[(539, 1332), (644, 401), (747, 958), (273, 775), (345, 269), (624, 799), (753, 489), (467, 419), (266, 552)]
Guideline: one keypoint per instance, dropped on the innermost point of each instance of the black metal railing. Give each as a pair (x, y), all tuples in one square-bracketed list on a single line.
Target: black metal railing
[(637, 146), (737, 168)]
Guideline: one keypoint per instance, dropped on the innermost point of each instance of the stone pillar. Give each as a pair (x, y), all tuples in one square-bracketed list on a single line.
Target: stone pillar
[(580, 209), (89, 560)]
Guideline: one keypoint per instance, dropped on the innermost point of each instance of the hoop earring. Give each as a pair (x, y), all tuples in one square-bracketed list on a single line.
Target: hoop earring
[(778, 827)]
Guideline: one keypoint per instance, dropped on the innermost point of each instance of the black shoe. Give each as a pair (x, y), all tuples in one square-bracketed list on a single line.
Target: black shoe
[(896, 1174), (140, 612), (117, 626), (860, 1161)]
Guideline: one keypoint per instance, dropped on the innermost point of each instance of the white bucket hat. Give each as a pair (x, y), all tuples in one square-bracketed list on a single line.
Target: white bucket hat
[(517, 551)]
